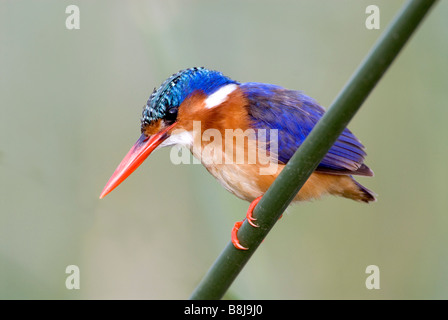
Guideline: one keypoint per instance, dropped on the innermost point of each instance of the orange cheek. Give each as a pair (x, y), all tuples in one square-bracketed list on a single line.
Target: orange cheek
[(191, 110), (153, 128)]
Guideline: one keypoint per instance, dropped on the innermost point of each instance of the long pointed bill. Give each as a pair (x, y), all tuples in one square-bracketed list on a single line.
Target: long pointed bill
[(135, 157)]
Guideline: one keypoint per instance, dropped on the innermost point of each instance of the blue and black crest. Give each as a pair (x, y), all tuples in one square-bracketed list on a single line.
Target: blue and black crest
[(164, 101)]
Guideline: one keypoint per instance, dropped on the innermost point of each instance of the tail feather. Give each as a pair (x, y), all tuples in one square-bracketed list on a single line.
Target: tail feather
[(365, 195), (319, 184), (348, 187), (363, 170)]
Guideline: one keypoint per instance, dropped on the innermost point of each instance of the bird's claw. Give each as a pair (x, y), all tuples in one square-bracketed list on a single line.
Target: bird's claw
[(235, 240), (250, 220), (250, 212)]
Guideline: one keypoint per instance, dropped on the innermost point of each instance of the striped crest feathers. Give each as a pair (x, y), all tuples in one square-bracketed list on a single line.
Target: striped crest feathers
[(178, 87)]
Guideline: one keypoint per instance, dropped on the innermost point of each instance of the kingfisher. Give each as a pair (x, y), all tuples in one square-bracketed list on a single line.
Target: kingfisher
[(244, 133)]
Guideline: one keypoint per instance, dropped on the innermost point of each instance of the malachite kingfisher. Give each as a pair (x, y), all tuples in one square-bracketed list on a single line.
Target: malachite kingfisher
[(244, 134)]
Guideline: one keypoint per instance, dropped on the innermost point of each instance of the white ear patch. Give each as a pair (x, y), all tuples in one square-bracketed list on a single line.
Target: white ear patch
[(218, 97)]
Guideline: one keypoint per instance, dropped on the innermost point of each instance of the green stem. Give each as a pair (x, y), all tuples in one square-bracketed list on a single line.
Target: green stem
[(231, 261)]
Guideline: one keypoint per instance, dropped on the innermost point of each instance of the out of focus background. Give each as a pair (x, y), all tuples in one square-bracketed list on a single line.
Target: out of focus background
[(70, 106)]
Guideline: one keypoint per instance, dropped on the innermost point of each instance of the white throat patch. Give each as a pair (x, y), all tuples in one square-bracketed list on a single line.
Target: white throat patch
[(178, 137)]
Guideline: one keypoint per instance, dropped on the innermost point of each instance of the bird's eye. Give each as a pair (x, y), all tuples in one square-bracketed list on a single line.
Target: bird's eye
[(171, 115)]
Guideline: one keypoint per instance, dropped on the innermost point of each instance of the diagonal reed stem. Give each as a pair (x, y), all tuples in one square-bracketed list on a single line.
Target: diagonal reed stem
[(231, 261)]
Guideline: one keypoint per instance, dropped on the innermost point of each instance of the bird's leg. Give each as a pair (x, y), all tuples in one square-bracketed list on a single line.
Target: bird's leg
[(238, 224)]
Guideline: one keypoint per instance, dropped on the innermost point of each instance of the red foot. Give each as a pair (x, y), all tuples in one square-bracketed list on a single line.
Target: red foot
[(235, 240), (250, 212), (238, 224)]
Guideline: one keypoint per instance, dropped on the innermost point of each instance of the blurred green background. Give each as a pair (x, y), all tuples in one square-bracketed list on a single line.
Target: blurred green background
[(70, 106)]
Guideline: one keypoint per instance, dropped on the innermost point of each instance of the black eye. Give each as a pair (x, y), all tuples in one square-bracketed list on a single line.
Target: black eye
[(171, 115)]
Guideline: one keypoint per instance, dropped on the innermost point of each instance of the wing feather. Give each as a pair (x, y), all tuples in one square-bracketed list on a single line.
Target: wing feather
[(294, 115)]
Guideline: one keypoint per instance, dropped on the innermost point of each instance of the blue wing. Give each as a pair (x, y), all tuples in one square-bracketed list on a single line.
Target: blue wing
[(294, 115)]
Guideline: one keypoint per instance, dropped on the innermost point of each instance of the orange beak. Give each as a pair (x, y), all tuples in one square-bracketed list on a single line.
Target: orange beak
[(135, 157)]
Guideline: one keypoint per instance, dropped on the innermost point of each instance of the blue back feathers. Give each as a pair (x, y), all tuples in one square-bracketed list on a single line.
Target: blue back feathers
[(178, 87)]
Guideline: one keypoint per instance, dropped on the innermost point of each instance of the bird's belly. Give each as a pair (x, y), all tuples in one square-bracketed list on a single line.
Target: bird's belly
[(245, 182), (241, 175), (241, 180), (250, 181)]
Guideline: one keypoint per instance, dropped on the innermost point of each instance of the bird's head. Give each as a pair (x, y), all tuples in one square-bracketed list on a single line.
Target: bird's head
[(190, 94)]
